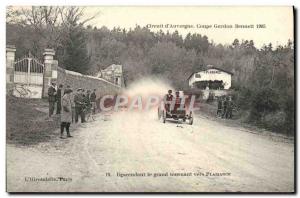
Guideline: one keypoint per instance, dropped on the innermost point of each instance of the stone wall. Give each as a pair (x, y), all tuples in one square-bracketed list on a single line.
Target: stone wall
[(76, 80), (53, 73)]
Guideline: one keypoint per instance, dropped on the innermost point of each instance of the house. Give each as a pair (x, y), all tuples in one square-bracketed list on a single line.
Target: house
[(212, 78), (113, 73)]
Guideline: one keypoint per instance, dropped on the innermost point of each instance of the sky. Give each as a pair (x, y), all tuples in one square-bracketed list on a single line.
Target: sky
[(277, 21)]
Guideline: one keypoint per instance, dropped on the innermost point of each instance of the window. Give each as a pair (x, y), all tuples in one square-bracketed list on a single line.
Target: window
[(197, 76)]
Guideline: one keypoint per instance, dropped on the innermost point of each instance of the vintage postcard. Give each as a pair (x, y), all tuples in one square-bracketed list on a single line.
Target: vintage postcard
[(150, 99)]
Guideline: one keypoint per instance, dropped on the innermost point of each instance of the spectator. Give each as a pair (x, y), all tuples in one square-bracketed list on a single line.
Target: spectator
[(58, 99), (87, 98), (93, 100), (83, 93), (229, 108), (73, 104), (79, 104), (220, 106), (225, 105), (66, 116), (51, 98)]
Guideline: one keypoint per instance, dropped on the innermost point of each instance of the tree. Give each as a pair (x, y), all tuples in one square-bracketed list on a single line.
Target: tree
[(75, 56), (73, 51), (50, 24), (177, 39), (236, 43)]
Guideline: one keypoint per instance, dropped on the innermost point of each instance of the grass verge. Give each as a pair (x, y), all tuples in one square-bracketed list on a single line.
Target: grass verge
[(27, 121)]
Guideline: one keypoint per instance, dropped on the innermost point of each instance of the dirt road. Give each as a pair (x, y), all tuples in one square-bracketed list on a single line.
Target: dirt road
[(153, 157)]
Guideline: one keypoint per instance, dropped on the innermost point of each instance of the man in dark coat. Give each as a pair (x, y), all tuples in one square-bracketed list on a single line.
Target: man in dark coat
[(51, 98), (87, 98), (229, 108), (225, 105), (220, 106), (79, 104), (58, 99), (84, 101), (93, 100)]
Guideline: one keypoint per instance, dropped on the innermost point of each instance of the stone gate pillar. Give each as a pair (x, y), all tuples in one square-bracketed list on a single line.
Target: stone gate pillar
[(10, 59), (50, 73)]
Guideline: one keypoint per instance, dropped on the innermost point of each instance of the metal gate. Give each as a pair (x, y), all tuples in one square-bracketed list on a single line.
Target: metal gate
[(28, 77)]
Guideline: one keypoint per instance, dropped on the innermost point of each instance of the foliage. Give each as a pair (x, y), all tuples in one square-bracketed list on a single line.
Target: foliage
[(274, 121), (264, 101), (263, 78), (74, 54)]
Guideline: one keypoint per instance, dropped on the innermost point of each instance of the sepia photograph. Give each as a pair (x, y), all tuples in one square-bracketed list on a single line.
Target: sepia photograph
[(150, 99)]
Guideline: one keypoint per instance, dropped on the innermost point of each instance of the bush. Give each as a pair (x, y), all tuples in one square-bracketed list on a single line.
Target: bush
[(264, 101), (243, 98), (289, 108), (274, 121)]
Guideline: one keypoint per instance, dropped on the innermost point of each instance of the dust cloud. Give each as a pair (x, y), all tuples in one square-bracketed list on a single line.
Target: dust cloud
[(146, 93), (147, 86)]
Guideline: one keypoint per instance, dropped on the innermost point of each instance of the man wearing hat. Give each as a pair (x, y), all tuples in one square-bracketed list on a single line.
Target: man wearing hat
[(51, 98), (72, 102), (79, 103), (66, 113)]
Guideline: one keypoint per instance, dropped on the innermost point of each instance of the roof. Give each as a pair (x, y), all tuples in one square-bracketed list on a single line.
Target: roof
[(113, 67), (211, 67)]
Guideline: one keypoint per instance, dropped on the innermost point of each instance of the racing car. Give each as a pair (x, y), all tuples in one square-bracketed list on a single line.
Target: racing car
[(173, 111)]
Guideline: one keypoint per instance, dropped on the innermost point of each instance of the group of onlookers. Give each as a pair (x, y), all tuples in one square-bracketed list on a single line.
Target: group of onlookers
[(70, 106), (225, 106), (84, 100)]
